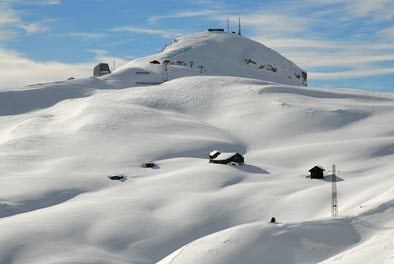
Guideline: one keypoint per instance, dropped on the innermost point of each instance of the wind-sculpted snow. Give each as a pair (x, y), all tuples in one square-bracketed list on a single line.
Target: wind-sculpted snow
[(14, 102), (49, 199), (326, 93), (59, 206), (259, 242)]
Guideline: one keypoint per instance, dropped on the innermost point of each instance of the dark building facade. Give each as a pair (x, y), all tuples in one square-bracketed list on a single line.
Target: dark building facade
[(101, 69), (317, 172), (155, 62)]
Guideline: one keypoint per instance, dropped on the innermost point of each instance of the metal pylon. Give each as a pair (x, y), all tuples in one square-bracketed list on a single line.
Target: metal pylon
[(334, 197)]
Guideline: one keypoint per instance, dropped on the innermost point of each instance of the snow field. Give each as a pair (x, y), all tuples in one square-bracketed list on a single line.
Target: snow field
[(58, 206)]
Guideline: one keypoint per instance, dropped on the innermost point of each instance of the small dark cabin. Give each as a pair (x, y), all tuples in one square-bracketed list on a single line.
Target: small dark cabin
[(116, 177), (225, 158), (317, 172), (155, 62), (216, 29), (148, 165), (101, 69)]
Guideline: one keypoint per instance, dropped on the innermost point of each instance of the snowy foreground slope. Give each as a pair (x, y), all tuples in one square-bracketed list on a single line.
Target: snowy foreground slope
[(58, 143)]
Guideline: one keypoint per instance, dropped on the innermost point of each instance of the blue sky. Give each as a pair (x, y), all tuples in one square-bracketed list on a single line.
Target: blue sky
[(340, 43)]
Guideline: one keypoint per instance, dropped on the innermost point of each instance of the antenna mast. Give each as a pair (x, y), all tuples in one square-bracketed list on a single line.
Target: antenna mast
[(334, 198), (228, 25), (239, 25), (165, 71)]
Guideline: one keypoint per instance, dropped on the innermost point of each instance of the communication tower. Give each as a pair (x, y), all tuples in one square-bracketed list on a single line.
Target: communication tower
[(334, 194)]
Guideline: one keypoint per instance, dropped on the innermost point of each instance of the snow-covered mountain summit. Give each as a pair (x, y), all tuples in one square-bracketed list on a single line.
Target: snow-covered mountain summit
[(213, 53)]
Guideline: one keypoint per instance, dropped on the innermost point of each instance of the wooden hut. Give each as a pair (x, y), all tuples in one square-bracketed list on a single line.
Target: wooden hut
[(148, 165), (116, 177), (225, 158), (317, 172)]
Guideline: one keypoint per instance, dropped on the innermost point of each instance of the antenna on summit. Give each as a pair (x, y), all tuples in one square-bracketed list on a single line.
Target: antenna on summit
[(228, 25), (239, 25)]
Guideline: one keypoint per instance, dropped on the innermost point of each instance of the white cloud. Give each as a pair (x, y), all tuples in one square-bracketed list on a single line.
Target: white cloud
[(296, 43), (11, 21), (310, 43), (8, 16), (276, 24), (34, 28), (22, 71), (6, 36), (117, 43), (52, 2), (319, 53), (36, 2), (377, 10), (184, 14), (160, 32), (82, 35), (349, 74), (340, 59), (387, 33)]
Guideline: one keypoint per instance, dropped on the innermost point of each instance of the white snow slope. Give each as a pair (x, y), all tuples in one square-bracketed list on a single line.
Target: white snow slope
[(58, 206), (60, 141)]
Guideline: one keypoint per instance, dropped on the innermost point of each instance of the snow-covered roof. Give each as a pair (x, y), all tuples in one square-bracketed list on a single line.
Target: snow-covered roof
[(225, 155), (320, 167), (213, 153)]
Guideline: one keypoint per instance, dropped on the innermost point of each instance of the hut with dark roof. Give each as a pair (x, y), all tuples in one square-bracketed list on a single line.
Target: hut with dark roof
[(225, 158), (155, 62), (317, 172)]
